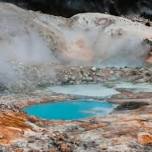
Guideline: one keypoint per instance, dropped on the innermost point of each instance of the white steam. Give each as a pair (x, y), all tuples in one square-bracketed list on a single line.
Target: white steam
[(25, 62)]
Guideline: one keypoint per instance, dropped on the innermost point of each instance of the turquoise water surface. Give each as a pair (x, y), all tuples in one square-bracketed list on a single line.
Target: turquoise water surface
[(70, 109)]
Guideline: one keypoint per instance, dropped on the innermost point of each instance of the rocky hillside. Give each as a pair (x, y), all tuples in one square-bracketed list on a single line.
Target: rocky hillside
[(91, 38), (31, 43)]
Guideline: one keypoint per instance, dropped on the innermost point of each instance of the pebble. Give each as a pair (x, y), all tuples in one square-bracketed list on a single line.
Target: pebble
[(94, 69)]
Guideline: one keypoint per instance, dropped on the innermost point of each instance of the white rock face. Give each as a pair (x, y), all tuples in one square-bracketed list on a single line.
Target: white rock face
[(97, 39), (89, 38), (30, 42)]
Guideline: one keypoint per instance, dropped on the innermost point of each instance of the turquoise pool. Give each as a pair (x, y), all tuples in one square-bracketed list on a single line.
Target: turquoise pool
[(70, 109)]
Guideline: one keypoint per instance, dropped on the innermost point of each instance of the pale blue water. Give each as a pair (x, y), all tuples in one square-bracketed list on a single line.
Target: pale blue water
[(70, 110)]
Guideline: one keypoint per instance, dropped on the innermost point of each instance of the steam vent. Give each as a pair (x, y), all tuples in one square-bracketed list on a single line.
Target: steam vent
[(75, 76)]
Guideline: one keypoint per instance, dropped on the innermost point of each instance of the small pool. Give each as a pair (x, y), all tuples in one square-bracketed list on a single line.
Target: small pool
[(70, 109), (90, 90)]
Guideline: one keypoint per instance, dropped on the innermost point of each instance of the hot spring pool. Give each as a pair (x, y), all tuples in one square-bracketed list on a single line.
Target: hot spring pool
[(70, 109)]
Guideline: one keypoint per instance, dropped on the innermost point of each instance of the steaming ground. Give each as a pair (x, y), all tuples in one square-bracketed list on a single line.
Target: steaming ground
[(25, 62), (31, 44), (25, 59)]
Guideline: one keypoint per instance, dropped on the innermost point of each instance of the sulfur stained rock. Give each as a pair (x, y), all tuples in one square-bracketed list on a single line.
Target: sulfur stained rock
[(12, 127), (52, 150), (145, 138), (65, 148), (149, 60)]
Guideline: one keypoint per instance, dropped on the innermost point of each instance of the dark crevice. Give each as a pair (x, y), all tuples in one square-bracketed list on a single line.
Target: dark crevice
[(131, 106)]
